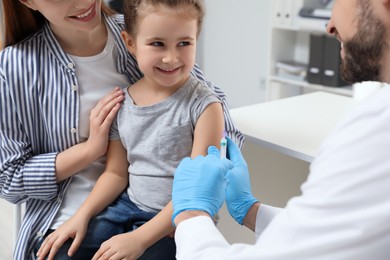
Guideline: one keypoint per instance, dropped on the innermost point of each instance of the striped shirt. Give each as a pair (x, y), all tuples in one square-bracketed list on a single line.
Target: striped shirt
[(39, 115)]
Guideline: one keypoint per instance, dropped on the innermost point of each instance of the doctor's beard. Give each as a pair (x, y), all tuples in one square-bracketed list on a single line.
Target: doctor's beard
[(364, 52)]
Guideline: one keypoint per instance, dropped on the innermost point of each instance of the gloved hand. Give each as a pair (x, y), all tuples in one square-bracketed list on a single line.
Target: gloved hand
[(199, 184), (239, 197)]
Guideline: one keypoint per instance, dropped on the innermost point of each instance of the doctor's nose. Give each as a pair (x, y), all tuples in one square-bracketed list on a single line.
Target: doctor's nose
[(330, 28)]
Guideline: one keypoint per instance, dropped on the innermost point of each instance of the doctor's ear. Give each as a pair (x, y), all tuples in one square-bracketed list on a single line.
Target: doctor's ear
[(29, 3)]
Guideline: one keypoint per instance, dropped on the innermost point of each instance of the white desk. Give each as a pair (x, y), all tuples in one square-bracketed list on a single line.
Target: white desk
[(295, 126)]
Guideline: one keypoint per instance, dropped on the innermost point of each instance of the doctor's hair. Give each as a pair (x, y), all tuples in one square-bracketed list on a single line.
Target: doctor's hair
[(19, 21), (134, 9)]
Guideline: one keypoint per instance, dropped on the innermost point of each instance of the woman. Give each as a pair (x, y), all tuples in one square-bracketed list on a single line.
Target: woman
[(58, 72)]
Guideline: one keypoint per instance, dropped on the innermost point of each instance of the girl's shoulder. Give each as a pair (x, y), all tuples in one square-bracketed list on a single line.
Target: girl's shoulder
[(199, 87)]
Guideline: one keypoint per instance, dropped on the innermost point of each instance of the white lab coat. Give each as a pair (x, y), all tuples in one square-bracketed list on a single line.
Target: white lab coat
[(343, 212)]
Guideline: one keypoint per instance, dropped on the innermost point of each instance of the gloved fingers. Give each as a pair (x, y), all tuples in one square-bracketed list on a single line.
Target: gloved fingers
[(183, 164), (185, 161), (198, 184), (234, 153), (212, 150), (234, 177)]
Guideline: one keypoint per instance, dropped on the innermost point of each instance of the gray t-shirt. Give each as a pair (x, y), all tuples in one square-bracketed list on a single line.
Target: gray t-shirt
[(157, 138)]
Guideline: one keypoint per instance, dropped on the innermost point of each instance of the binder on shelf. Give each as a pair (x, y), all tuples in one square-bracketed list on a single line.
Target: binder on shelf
[(315, 68), (331, 63), (324, 61)]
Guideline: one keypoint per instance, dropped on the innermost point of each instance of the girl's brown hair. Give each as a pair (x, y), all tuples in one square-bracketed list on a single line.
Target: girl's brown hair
[(132, 9), (19, 21)]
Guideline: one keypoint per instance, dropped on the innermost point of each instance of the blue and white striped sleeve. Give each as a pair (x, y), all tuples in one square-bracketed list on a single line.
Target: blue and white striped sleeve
[(22, 176)]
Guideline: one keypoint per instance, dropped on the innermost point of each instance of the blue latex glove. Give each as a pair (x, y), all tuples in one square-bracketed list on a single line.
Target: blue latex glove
[(239, 197), (199, 184)]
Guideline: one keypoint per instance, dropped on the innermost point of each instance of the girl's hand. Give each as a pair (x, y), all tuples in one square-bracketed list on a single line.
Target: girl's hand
[(100, 119), (75, 228), (123, 247)]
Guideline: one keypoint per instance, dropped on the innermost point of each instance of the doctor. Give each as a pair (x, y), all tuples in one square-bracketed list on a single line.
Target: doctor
[(344, 210)]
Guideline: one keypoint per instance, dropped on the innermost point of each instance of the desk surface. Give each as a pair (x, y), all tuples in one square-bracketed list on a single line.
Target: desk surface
[(295, 126)]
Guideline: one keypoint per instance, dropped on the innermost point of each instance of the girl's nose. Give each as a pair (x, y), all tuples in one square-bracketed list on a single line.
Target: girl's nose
[(170, 57)]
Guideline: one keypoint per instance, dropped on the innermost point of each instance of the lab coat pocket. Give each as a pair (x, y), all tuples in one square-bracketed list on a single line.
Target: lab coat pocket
[(175, 142)]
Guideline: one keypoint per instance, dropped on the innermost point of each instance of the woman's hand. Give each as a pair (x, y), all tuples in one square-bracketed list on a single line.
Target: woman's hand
[(100, 119), (75, 228), (123, 247), (77, 157)]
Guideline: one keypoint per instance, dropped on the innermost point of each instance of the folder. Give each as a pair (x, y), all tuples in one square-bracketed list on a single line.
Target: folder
[(285, 12), (315, 68), (331, 63), (278, 16), (288, 15)]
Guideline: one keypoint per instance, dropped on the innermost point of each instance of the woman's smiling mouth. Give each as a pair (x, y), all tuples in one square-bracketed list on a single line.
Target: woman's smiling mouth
[(86, 15)]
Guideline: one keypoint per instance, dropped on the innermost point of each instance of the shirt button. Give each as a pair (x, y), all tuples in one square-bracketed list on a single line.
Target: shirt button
[(39, 234), (74, 87), (70, 65), (73, 130)]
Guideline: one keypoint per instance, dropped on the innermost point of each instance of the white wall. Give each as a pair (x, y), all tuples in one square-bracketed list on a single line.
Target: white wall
[(233, 48)]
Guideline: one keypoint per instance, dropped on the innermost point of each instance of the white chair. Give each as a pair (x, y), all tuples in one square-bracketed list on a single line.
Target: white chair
[(18, 214)]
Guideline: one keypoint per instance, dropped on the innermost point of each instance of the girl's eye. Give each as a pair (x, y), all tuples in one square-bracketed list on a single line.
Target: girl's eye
[(157, 44), (182, 44)]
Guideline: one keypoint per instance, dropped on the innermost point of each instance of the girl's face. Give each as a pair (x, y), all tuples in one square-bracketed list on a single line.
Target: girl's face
[(67, 16), (165, 47)]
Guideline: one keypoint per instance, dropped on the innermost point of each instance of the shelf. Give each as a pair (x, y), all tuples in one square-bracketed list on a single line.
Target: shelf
[(304, 24), (312, 24), (286, 27), (290, 39), (345, 91)]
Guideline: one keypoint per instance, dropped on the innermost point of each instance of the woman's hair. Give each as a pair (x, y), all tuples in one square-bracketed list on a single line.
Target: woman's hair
[(133, 9), (19, 21)]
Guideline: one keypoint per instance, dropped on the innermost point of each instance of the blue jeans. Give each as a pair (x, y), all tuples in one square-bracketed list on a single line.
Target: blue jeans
[(120, 217)]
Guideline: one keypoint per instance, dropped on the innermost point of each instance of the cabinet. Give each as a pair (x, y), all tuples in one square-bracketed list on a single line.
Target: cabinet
[(290, 41)]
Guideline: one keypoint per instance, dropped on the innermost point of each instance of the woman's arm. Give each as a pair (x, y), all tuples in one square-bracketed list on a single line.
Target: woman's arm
[(24, 174), (81, 155)]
